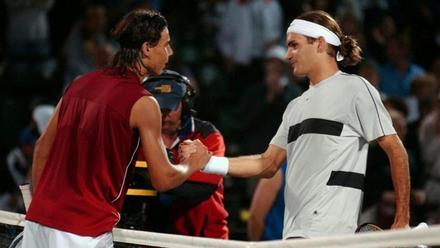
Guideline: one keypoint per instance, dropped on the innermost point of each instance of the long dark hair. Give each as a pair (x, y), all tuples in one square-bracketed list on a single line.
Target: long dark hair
[(131, 32), (349, 47)]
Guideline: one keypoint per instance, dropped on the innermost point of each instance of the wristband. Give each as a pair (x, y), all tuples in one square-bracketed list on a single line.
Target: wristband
[(217, 165)]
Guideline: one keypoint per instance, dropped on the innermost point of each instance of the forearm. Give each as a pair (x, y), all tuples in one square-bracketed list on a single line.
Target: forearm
[(252, 166), (401, 182), (398, 158), (174, 176), (255, 229)]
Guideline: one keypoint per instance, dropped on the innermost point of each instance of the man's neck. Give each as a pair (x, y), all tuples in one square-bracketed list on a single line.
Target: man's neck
[(322, 71), (140, 72), (169, 140)]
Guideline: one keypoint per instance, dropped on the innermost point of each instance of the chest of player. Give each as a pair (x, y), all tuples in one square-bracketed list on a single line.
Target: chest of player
[(328, 102)]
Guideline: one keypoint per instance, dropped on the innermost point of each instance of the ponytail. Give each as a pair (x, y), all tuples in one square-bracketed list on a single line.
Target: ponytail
[(350, 50)]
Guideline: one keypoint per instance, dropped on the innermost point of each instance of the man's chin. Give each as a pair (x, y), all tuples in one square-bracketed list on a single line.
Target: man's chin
[(160, 71), (155, 72), (169, 131), (297, 73)]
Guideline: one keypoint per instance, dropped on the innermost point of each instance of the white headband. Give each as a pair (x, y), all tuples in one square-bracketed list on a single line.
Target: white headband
[(314, 30)]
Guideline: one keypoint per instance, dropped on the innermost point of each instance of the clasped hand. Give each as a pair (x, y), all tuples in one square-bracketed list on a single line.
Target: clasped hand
[(194, 153)]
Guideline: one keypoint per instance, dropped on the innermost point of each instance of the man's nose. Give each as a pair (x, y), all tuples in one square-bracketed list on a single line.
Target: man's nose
[(165, 112)]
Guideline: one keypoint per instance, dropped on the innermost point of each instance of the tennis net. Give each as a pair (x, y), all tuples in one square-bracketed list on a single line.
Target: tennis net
[(11, 224)]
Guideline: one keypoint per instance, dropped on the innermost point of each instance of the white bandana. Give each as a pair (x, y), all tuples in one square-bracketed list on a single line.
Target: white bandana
[(314, 30)]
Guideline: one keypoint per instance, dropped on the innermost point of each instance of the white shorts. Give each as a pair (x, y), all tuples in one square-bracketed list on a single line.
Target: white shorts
[(39, 236)]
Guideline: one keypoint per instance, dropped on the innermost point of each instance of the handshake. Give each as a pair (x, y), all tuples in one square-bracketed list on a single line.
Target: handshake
[(197, 157)]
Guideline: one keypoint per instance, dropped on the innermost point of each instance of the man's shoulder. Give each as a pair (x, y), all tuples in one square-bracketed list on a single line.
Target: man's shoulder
[(95, 73), (90, 76), (353, 82), (204, 128)]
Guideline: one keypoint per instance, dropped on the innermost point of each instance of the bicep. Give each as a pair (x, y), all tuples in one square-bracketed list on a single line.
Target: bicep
[(146, 118)]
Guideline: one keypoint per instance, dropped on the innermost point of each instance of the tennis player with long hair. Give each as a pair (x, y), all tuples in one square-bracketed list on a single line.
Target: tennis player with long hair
[(82, 161), (324, 135)]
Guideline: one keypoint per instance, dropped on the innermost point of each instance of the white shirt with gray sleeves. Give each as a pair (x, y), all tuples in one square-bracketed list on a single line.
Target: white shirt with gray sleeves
[(326, 132)]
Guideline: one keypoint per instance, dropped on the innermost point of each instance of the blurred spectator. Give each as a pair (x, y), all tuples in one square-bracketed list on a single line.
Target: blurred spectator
[(420, 103), (246, 30), (87, 47), (369, 70), (19, 159), (424, 23), (379, 27), (397, 74), (429, 135), (18, 164), (324, 5), (423, 96), (353, 8), (262, 105), (436, 70), (27, 38), (350, 25)]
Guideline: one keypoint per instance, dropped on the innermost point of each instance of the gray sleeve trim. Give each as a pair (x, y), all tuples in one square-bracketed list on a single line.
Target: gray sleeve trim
[(375, 105)]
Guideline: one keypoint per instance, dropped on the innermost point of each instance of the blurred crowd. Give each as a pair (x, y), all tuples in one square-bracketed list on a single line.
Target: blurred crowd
[(233, 52)]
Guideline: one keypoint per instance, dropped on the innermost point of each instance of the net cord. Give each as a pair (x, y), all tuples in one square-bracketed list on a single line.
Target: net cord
[(387, 238)]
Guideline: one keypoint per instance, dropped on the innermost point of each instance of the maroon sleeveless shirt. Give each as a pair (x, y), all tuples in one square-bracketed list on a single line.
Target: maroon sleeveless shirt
[(83, 184)]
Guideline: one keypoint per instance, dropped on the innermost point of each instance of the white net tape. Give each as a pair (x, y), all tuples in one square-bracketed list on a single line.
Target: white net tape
[(389, 238)]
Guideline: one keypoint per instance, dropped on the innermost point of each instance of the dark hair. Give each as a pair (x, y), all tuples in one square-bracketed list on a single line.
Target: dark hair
[(132, 31), (349, 47)]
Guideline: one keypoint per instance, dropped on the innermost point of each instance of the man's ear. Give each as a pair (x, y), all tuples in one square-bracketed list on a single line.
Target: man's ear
[(322, 44), (145, 49)]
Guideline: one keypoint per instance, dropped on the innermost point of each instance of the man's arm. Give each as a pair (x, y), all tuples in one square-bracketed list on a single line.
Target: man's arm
[(146, 118), (398, 158), (43, 147), (263, 199), (262, 165)]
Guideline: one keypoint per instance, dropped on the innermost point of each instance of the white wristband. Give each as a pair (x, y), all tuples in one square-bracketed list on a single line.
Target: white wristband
[(217, 165)]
